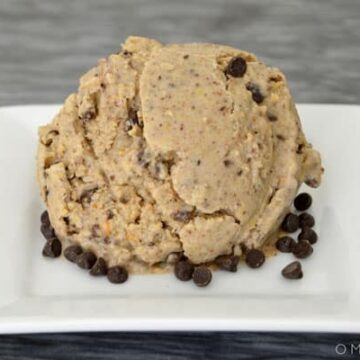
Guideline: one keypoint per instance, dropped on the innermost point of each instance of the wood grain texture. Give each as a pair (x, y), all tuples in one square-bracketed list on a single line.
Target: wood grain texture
[(46, 45), (177, 346)]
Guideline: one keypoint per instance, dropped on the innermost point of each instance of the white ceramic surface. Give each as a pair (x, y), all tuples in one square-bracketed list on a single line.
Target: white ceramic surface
[(39, 294)]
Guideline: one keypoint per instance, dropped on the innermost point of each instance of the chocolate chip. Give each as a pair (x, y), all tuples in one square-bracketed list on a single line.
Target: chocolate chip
[(299, 149), (271, 117), (52, 248), (142, 159), (290, 223), (86, 195), (99, 268), (48, 231), (306, 220), (89, 115), (109, 214), (227, 262), (254, 258), (117, 275), (302, 249), (202, 276), (182, 215), (186, 56), (303, 201), (285, 244), (256, 94), (72, 252), (45, 218), (173, 258), (227, 162), (292, 271), (86, 260), (309, 235), (183, 270), (236, 67)]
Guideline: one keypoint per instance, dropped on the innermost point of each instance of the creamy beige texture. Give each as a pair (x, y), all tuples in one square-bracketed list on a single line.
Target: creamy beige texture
[(160, 152)]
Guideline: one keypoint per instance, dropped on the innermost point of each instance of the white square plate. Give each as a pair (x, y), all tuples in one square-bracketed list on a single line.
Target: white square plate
[(39, 294)]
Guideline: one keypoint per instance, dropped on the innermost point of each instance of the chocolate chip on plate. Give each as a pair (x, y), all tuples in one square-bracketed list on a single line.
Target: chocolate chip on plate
[(52, 248), (256, 94), (302, 249), (72, 252), (285, 244), (292, 271), (45, 218), (86, 260), (227, 262), (48, 231), (291, 223), (309, 235), (306, 220), (303, 201), (236, 67), (183, 270), (117, 275), (202, 276), (254, 258), (99, 268)]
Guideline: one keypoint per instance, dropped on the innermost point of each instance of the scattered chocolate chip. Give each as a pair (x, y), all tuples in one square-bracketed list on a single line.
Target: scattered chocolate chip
[(275, 78), (290, 223), (183, 270), (86, 195), (306, 220), (52, 248), (292, 271), (88, 115), (271, 117), (285, 244), (86, 260), (45, 218), (48, 231), (72, 252), (227, 262), (309, 235), (303, 201), (198, 163), (239, 173), (280, 137), (202, 276), (182, 215), (254, 258), (236, 67), (302, 249), (227, 162), (117, 275), (186, 56), (256, 94), (99, 268)]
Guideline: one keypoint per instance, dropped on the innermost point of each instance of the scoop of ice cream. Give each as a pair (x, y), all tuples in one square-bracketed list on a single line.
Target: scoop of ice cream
[(185, 147)]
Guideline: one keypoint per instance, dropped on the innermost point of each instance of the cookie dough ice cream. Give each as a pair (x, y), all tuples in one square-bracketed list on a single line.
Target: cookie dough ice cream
[(164, 149)]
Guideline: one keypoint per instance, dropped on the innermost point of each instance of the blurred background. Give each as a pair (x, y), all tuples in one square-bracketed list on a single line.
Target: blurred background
[(46, 45)]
